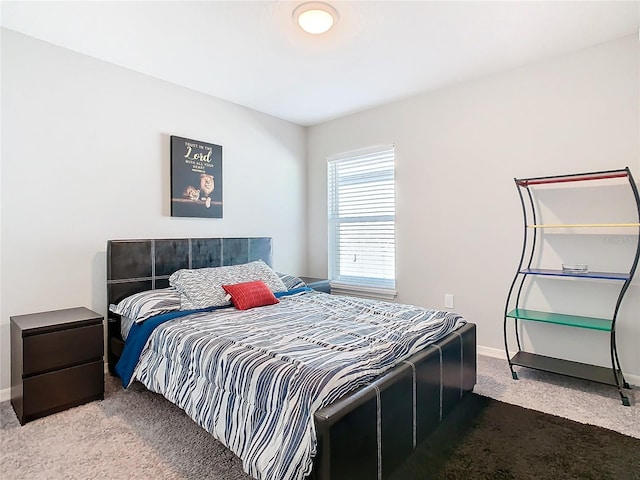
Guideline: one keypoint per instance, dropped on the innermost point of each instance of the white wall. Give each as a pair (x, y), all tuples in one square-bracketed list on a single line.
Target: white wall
[(85, 158), (459, 222)]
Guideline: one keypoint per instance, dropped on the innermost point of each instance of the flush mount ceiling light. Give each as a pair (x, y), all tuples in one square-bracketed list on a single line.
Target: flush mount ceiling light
[(315, 17)]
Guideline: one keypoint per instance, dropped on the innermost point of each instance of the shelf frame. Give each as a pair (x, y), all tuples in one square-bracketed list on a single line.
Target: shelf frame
[(613, 375)]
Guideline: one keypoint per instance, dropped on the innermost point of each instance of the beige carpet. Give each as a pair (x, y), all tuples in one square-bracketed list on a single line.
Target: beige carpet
[(130, 434), (137, 434)]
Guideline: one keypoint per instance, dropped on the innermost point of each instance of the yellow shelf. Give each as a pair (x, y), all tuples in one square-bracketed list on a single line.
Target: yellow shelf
[(585, 225)]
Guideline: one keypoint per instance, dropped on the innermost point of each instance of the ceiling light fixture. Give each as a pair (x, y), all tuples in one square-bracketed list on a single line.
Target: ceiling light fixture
[(315, 17)]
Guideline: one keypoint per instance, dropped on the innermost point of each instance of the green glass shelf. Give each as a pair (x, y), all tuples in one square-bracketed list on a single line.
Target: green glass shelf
[(562, 319)]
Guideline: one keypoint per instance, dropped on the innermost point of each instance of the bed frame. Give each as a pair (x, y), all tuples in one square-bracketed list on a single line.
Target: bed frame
[(362, 436)]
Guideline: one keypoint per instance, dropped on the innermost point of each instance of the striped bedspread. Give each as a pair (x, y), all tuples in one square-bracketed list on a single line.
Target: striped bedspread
[(254, 378)]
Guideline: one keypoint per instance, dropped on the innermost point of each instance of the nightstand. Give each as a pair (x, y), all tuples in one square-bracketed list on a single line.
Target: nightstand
[(56, 361), (319, 284)]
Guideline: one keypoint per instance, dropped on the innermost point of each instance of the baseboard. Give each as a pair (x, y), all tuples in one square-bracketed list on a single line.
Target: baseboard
[(499, 353), (491, 352)]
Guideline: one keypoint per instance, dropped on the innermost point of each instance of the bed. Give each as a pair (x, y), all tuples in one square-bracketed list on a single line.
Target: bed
[(362, 434)]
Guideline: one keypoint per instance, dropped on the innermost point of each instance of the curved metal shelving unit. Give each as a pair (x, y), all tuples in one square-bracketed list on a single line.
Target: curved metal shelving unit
[(515, 310)]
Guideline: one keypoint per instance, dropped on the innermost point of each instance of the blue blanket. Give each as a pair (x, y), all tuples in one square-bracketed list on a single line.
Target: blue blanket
[(140, 332)]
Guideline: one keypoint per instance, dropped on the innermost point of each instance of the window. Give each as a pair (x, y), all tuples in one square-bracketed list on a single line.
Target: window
[(362, 251)]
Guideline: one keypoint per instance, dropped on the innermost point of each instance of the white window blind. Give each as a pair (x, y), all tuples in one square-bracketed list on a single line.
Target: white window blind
[(362, 209)]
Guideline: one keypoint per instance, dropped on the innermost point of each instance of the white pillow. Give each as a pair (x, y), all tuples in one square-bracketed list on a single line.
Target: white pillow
[(202, 287)]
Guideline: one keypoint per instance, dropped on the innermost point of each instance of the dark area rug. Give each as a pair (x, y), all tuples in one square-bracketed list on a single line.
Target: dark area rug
[(487, 439)]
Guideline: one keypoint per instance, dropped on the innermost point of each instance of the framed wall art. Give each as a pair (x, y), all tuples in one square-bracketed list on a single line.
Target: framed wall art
[(196, 178)]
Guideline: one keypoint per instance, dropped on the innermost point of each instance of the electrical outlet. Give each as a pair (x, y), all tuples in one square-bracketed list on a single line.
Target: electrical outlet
[(448, 300)]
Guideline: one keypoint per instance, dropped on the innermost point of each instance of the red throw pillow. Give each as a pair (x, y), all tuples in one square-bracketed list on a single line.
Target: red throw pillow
[(250, 294)]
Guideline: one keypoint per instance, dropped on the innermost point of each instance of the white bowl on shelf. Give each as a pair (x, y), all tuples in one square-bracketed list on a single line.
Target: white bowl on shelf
[(575, 268)]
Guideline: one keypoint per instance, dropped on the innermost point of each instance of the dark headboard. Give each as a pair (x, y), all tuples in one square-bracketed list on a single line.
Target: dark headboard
[(137, 265)]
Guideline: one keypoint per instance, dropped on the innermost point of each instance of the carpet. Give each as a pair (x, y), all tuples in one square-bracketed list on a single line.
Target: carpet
[(138, 434)]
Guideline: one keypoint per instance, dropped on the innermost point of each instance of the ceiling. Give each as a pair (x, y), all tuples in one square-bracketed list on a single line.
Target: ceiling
[(252, 53)]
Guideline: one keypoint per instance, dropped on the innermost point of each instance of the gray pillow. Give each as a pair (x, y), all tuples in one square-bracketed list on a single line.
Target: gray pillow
[(142, 305), (291, 281), (202, 287)]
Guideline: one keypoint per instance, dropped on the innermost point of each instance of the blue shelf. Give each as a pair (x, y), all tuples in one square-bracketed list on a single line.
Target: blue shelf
[(561, 273)]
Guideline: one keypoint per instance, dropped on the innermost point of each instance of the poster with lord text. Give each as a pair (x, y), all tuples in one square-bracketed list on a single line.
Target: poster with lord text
[(196, 178)]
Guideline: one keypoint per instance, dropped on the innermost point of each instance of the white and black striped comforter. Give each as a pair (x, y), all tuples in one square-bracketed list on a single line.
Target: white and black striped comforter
[(254, 378)]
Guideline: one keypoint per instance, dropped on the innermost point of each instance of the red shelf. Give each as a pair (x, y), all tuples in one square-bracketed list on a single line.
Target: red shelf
[(580, 177)]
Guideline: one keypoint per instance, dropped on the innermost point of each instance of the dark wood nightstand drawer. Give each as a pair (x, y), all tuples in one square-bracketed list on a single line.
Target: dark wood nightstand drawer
[(51, 351), (56, 391)]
